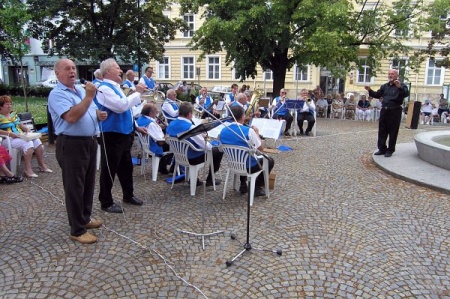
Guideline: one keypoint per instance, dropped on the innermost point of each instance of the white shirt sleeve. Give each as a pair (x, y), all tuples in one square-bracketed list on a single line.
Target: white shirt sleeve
[(166, 107), (155, 131), (109, 99)]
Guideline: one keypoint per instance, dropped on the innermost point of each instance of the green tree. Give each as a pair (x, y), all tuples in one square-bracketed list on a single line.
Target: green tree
[(97, 29), (14, 19), (438, 23), (278, 34)]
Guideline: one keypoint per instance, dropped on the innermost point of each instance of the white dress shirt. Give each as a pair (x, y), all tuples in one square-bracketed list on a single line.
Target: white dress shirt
[(108, 98)]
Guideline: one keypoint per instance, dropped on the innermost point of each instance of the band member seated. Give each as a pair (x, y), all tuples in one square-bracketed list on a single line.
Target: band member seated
[(306, 112), (184, 123), (147, 78), (280, 110), (204, 102), (170, 106), (157, 143), (241, 135), (98, 77), (129, 81), (254, 109)]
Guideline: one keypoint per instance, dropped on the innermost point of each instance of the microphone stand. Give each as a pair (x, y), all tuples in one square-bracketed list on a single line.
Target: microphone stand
[(247, 245), (202, 233)]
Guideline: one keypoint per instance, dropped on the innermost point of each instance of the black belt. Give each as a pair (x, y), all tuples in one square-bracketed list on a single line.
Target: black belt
[(78, 137), (388, 108)]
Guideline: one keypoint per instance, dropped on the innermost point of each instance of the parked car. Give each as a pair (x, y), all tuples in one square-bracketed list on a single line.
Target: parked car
[(164, 87), (53, 82), (220, 88)]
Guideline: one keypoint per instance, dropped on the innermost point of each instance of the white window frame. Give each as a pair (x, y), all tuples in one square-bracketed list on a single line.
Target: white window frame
[(189, 33), (183, 65), (268, 75), (304, 77), (215, 66), (166, 66), (366, 70), (434, 69)]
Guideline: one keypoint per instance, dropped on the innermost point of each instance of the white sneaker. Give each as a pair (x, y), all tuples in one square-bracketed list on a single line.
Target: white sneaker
[(421, 122), (427, 123)]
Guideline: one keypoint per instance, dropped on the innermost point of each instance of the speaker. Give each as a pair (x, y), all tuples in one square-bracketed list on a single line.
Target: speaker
[(412, 118)]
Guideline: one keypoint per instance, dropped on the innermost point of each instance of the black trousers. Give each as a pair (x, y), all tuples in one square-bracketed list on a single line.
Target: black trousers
[(115, 159), (77, 159), (309, 118), (388, 126), (260, 179), (287, 117), (217, 158), (166, 159)]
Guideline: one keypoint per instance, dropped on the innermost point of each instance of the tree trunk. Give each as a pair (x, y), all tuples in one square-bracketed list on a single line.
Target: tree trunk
[(279, 69)]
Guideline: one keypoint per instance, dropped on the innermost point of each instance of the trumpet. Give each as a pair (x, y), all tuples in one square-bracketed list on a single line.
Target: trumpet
[(161, 120)]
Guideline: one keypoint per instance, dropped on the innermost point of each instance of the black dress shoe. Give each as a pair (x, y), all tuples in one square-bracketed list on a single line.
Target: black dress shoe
[(134, 201), (259, 192), (388, 154), (210, 183), (114, 208), (380, 153), (306, 133), (163, 171)]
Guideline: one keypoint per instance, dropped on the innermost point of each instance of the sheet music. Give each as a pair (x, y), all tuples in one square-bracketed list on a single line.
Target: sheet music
[(214, 133), (269, 128)]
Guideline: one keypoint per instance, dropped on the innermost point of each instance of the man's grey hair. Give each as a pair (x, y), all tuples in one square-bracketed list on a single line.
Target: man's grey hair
[(97, 73), (106, 65)]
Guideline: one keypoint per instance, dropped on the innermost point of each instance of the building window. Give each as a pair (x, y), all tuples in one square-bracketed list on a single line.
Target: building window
[(268, 75), (189, 19), (364, 74), (213, 67), (301, 72), (434, 73), (401, 65), (188, 67), (164, 68)]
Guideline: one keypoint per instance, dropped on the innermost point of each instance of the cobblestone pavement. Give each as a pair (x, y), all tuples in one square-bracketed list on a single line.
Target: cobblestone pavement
[(346, 228)]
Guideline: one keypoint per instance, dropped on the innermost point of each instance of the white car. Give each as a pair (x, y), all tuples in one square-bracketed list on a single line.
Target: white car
[(219, 88), (53, 82)]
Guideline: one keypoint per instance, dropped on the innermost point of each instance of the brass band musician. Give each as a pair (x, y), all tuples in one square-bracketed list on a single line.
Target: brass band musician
[(170, 106), (281, 111), (241, 135), (205, 102)]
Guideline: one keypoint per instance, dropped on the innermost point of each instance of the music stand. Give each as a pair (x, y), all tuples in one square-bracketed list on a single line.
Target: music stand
[(202, 128), (294, 104)]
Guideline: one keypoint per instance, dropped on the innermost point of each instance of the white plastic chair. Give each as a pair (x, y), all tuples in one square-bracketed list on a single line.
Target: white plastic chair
[(144, 141), (237, 159), (15, 154), (180, 148)]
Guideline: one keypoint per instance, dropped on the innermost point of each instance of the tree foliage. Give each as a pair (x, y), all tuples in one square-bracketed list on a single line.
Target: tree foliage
[(97, 29), (14, 19), (278, 34), (438, 23)]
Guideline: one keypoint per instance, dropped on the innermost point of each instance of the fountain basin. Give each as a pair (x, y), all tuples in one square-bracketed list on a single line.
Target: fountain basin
[(432, 149)]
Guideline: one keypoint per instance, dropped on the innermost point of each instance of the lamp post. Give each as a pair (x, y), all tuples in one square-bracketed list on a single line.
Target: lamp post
[(138, 38)]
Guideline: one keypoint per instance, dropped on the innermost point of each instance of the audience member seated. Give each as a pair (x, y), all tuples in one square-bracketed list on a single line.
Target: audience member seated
[(306, 112), (170, 106), (350, 107), (426, 112), (322, 107), (184, 123), (241, 135), (157, 143), (10, 126), (6, 176), (338, 106), (364, 108)]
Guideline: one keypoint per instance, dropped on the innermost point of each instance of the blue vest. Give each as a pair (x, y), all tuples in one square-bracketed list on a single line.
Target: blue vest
[(115, 122), (96, 81), (174, 106), (127, 83), (280, 109), (207, 103), (178, 126), (149, 82), (143, 122), (228, 137)]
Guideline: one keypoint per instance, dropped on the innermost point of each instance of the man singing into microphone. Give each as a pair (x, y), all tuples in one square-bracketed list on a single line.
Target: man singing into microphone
[(393, 94)]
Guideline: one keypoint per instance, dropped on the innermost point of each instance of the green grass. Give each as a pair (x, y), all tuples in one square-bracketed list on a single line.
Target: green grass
[(37, 107)]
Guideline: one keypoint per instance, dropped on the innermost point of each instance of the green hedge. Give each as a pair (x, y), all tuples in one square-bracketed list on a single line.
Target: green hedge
[(32, 91)]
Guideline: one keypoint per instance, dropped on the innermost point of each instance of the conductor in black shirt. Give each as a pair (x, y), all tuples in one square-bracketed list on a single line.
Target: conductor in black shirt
[(393, 94)]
